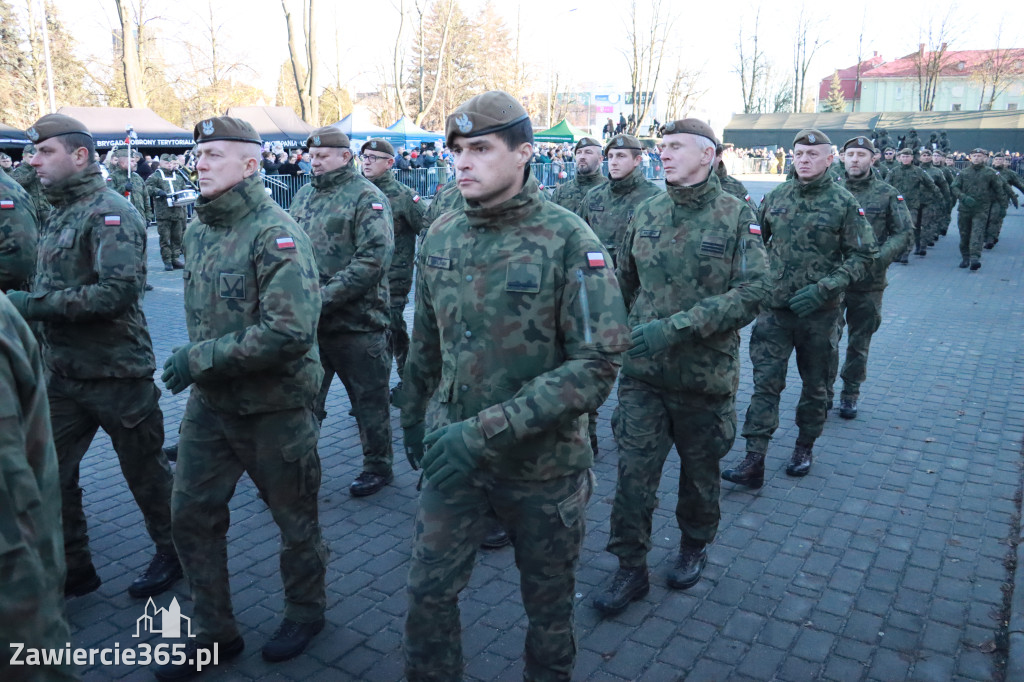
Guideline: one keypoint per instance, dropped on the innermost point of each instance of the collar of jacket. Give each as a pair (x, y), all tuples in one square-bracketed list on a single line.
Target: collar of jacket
[(234, 205), (694, 196), (927, 164), (629, 183), (589, 181), (334, 177), (859, 183), (816, 185), (522, 205), (71, 189), (383, 180)]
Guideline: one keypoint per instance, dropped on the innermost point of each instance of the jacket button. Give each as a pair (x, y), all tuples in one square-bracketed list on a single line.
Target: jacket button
[(469, 334), (469, 278), (463, 388)]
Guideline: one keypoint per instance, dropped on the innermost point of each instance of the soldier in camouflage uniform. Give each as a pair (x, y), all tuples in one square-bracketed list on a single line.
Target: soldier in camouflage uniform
[(449, 198), (695, 268), (978, 188), (136, 191), (888, 161), (87, 292), (887, 212), (349, 222), (19, 234), (26, 176), (170, 219), (1011, 180), (818, 243), (31, 543), (919, 190), (518, 329), (410, 221), (935, 213), (949, 173), (731, 185), (252, 301), (588, 175), (6, 163)]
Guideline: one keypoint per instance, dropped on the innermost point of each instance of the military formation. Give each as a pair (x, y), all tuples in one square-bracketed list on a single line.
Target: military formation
[(528, 312)]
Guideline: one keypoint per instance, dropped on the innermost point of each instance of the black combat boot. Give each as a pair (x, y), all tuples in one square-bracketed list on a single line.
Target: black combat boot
[(800, 463), (81, 581), (496, 538), (749, 472), (964, 263), (291, 639), (368, 483), (168, 267), (178, 264), (171, 453), (989, 245), (689, 564), (163, 571), (848, 408), (628, 585), (975, 264)]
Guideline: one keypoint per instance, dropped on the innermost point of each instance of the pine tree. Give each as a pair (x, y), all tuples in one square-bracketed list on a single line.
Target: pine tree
[(836, 101)]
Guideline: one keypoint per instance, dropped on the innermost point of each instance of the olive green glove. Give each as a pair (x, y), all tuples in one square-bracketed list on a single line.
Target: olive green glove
[(177, 376), (412, 437), (655, 336), (970, 203), (448, 459), (807, 300)]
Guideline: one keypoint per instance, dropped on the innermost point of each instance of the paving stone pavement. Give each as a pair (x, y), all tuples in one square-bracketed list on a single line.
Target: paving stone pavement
[(887, 562)]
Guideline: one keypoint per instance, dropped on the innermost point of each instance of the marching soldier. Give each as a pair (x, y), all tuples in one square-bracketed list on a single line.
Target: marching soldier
[(918, 189), (19, 234), (995, 222), (170, 219), (588, 175), (978, 188), (934, 213)]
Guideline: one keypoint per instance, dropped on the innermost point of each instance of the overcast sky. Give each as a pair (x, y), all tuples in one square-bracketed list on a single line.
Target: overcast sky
[(582, 39)]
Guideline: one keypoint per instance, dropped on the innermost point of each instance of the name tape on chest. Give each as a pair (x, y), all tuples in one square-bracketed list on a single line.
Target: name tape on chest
[(6, 204), (111, 220), (285, 243), (650, 234), (595, 259), (439, 262), (754, 228)]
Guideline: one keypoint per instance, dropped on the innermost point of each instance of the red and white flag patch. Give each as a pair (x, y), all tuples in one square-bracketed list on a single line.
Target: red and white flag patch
[(860, 210), (285, 243), (416, 199), (755, 228), (595, 259), (6, 204), (899, 197), (111, 220), (377, 207)]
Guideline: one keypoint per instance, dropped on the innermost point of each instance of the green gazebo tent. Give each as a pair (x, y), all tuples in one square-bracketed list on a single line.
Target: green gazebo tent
[(563, 131)]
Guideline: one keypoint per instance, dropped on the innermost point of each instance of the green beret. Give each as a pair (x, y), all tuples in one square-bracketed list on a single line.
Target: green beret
[(693, 126), (623, 141), (810, 136), (168, 157), (938, 152), (999, 155), (979, 150), (378, 145), (328, 136), (120, 153), (586, 142), (53, 125), (225, 128), (925, 151), (484, 114), (29, 149), (859, 142), (906, 150)]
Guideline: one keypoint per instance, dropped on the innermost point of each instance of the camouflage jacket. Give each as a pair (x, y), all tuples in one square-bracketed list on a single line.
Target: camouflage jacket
[(936, 174), (349, 222), (568, 195), (1011, 180), (410, 219), (916, 186), (608, 208), (139, 193), (950, 175), (518, 328), (252, 303), (887, 212), (815, 233), (448, 199), (982, 184), (161, 182), (731, 185), (694, 254), (19, 234), (27, 177), (88, 285)]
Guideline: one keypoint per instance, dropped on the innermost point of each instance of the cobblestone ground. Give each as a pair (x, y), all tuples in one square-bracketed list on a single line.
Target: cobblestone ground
[(885, 563)]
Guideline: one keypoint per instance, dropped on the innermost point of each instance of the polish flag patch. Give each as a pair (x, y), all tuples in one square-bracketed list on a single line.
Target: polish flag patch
[(111, 220), (416, 199), (899, 197), (6, 204), (746, 198), (285, 243), (377, 207), (755, 228), (860, 210), (595, 259)]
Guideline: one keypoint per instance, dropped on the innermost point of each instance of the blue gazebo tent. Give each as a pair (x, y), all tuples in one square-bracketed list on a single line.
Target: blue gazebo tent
[(411, 134)]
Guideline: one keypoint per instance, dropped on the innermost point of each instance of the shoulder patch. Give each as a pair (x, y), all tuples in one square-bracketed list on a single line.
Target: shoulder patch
[(595, 259), (111, 220), (285, 243), (860, 210), (6, 204), (416, 199), (377, 206), (755, 228), (899, 197)]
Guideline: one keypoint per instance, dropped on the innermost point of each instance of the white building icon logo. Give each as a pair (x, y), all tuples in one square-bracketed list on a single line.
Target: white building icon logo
[(163, 622)]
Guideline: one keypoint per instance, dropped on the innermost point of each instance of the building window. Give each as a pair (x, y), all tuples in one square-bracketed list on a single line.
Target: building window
[(956, 107), (899, 92), (1012, 106)]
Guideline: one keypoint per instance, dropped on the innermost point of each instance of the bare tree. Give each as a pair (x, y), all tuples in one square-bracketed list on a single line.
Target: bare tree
[(428, 68), (931, 58), (751, 67), (686, 89), (304, 61), (804, 48), (130, 56), (1001, 68), (647, 39)]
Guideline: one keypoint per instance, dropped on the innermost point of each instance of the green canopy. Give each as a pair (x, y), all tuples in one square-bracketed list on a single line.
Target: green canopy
[(563, 131)]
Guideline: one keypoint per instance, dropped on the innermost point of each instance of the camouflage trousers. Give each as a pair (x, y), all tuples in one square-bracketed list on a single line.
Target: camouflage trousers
[(702, 428), (862, 311), (362, 360), (170, 231), (278, 451), (776, 334), (995, 222), (546, 521), (129, 411), (973, 226), (933, 220), (399, 331)]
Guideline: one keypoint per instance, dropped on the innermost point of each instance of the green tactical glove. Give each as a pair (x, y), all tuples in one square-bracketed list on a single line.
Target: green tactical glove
[(177, 376), (412, 437), (655, 336), (448, 459), (21, 301), (807, 300), (970, 203)]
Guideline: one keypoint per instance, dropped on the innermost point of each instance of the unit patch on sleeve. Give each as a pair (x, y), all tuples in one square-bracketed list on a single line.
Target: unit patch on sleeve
[(595, 259), (285, 243)]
